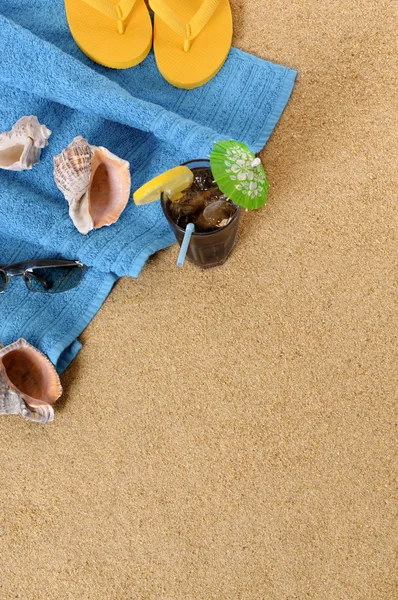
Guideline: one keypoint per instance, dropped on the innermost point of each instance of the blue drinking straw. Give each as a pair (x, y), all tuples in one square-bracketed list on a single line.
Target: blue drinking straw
[(190, 228)]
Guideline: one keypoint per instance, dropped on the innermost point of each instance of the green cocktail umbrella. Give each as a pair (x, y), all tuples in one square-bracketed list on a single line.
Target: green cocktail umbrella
[(239, 174)]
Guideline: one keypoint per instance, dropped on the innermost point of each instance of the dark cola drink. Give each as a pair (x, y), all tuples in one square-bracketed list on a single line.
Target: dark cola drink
[(215, 217)]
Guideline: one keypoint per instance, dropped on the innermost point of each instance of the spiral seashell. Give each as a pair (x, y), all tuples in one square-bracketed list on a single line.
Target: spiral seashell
[(95, 182), (12, 403), (29, 383), (21, 147), (72, 169)]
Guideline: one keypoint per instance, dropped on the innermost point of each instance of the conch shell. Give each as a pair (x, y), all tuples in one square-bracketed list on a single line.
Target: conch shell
[(95, 182), (21, 147), (29, 383)]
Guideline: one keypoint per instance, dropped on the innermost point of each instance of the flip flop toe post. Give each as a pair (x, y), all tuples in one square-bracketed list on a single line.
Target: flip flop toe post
[(113, 34), (192, 39)]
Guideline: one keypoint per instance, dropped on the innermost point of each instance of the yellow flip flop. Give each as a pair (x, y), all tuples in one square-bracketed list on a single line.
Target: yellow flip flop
[(192, 39), (112, 33)]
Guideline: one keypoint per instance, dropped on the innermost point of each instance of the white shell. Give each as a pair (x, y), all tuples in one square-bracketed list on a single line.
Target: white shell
[(21, 147), (95, 182)]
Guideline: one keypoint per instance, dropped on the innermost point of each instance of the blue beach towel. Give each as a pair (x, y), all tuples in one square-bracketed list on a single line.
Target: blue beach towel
[(138, 116)]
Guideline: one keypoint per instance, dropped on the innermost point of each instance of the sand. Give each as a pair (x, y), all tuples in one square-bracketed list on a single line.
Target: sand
[(231, 434)]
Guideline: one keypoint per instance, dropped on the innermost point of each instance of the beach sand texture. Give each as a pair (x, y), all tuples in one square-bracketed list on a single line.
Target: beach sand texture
[(231, 434)]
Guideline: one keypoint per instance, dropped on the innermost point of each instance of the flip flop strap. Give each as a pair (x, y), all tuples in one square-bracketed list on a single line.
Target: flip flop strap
[(188, 30), (118, 12)]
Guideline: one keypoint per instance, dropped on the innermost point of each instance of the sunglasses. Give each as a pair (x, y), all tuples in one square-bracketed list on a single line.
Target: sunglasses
[(44, 276)]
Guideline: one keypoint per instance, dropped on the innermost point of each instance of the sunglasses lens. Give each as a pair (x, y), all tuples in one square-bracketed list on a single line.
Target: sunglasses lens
[(3, 281), (52, 280)]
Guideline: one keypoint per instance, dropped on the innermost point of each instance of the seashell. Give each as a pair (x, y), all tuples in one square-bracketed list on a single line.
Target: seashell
[(21, 147), (12, 403), (27, 371), (95, 182)]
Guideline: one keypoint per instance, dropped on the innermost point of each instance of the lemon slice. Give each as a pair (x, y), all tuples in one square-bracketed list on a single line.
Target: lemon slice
[(173, 182)]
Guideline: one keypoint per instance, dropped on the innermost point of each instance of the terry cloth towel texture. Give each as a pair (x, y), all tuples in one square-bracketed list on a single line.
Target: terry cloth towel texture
[(138, 116)]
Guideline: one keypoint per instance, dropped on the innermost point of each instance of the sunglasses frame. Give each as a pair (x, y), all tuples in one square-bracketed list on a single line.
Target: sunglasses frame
[(24, 268)]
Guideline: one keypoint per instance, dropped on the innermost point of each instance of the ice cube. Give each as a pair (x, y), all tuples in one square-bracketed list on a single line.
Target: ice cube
[(219, 213)]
